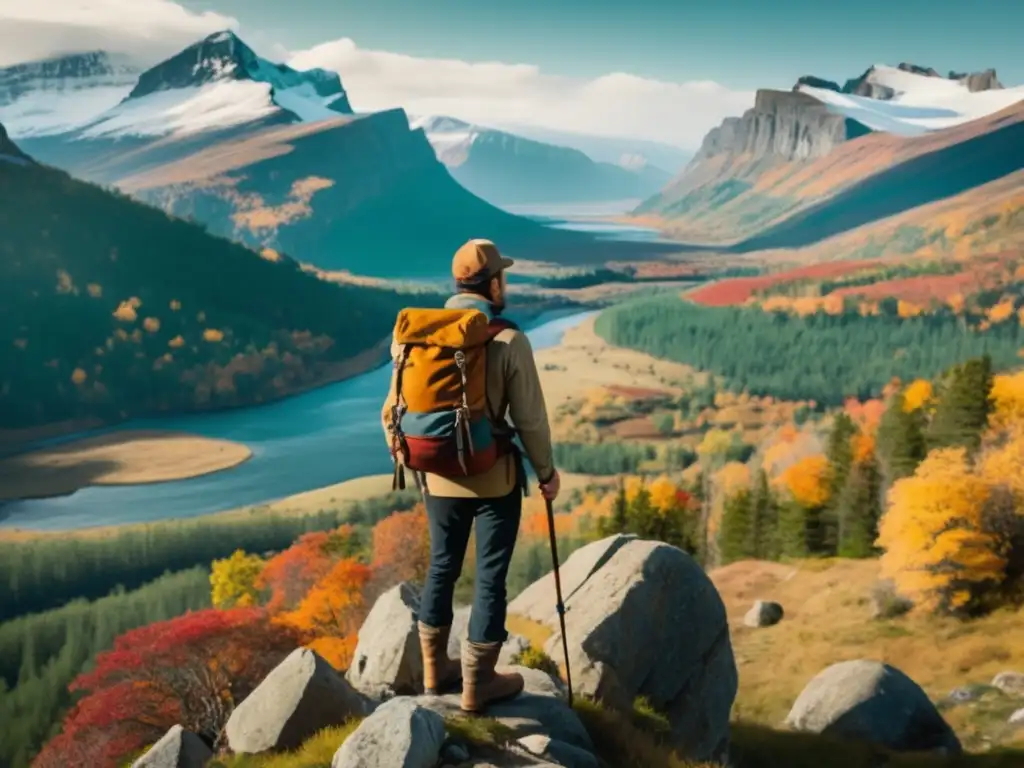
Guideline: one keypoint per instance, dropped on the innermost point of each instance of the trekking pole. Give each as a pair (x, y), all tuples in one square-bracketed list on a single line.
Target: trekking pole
[(559, 606)]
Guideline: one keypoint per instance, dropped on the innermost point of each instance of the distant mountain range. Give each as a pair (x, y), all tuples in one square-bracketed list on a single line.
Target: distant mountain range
[(270, 156), (806, 164), (506, 169)]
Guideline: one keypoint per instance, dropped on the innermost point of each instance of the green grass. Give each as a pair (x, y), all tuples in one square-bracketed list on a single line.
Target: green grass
[(536, 659)]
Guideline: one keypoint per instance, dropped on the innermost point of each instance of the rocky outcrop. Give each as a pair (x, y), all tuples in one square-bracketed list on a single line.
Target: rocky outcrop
[(399, 734), (785, 125), (540, 709), (763, 613), (816, 82), (872, 702), (177, 748), (978, 81), (643, 619), (1010, 683), (387, 660), (302, 695)]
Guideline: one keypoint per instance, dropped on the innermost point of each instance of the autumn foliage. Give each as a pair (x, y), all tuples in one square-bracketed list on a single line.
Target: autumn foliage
[(192, 670), (401, 546)]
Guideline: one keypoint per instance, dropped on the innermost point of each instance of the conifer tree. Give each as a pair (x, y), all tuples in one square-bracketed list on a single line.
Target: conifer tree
[(963, 407), (792, 529), (764, 519), (840, 460), (901, 443), (858, 510), (737, 537)]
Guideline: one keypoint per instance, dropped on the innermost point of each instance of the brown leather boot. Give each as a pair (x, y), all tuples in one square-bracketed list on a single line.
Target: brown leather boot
[(440, 674), (481, 685)]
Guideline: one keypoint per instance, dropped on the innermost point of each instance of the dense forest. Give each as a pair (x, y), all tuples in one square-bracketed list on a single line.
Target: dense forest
[(602, 458), (821, 357), (43, 573), (42, 653), (110, 309)]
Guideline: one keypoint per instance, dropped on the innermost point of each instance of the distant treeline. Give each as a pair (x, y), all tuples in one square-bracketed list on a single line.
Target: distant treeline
[(821, 357), (44, 573), (586, 279), (602, 458), (42, 653)]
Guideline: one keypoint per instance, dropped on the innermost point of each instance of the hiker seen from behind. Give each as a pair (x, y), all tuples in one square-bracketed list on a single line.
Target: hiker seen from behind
[(459, 374)]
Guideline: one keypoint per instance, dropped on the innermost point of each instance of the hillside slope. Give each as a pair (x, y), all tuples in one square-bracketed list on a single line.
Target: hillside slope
[(111, 309), (761, 173)]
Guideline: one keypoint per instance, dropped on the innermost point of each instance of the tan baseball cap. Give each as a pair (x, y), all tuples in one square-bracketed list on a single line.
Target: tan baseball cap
[(478, 260)]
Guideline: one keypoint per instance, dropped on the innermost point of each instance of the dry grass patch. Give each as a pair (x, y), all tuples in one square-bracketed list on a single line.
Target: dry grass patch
[(317, 752), (829, 619), (536, 634)]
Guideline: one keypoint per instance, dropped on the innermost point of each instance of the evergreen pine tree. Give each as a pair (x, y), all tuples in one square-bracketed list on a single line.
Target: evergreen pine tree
[(859, 509), (618, 521), (736, 540), (963, 406), (840, 459), (792, 530), (764, 519), (901, 443)]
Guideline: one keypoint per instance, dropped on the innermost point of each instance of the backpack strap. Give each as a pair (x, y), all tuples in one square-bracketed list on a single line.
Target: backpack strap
[(399, 449)]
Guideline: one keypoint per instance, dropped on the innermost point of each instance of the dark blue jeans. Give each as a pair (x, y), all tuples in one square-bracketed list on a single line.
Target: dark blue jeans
[(497, 524)]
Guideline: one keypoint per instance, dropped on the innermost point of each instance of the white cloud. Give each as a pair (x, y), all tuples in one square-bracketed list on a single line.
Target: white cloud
[(146, 29), (498, 94)]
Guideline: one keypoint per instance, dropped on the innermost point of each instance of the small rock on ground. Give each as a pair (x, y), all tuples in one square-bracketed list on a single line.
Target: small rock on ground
[(558, 751), (764, 613)]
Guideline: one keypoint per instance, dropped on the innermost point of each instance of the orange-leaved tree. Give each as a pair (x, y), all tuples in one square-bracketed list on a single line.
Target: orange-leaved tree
[(401, 547), (330, 615), (290, 574), (938, 550)]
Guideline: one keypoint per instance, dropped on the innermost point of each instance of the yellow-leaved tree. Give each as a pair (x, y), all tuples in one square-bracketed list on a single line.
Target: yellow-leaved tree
[(233, 580), (938, 551)]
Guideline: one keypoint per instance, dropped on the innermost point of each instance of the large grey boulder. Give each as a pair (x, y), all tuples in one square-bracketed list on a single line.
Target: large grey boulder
[(387, 660), (872, 702), (1017, 718), (399, 734), (764, 613), (537, 601), (643, 619), (1010, 683), (541, 709), (177, 748), (513, 646), (301, 695)]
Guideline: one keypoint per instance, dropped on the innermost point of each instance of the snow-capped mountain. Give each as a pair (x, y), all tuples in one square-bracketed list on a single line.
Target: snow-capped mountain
[(910, 100), (60, 94), (220, 83), (507, 169)]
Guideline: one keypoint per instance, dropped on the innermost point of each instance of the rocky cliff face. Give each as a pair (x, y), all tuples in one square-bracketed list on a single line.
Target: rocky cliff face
[(66, 73), (783, 124)]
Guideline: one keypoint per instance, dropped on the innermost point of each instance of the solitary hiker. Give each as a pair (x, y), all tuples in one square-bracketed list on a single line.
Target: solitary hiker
[(458, 372)]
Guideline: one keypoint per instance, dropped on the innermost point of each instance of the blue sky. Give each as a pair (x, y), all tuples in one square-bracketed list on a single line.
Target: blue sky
[(740, 43)]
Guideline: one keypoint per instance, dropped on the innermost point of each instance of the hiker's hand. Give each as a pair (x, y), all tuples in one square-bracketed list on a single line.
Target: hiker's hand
[(550, 489)]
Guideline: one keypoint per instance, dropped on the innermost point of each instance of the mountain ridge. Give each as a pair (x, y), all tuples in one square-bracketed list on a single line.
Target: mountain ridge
[(507, 169)]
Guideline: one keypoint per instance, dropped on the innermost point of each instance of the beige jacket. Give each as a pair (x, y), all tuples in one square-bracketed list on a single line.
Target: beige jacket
[(512, 378)]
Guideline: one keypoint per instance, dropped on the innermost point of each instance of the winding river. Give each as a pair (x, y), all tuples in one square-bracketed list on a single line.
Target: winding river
[(303, 442)]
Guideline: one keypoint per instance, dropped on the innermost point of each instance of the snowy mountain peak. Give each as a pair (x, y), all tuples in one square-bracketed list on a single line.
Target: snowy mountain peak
[(909, 99), (53, 95), (223, 57)]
